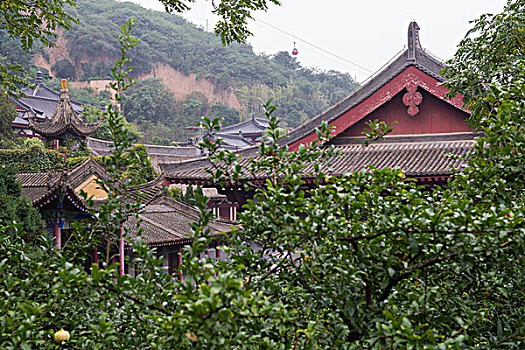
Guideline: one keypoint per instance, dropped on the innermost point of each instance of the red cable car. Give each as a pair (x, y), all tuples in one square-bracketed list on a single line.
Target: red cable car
[(295, 52)]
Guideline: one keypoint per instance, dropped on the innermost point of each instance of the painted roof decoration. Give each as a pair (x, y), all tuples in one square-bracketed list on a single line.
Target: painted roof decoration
[(40, 187), (165, 221), (64, 122)]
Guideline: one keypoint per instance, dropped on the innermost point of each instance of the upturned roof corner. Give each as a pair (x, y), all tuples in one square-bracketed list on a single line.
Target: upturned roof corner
[(65, 123)]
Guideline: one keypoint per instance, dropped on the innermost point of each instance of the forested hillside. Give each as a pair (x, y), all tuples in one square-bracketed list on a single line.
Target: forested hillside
[(231, 82)]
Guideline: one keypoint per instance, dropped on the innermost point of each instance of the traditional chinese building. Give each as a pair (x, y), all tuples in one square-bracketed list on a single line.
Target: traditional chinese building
[(409, 91), (37, 103), (242, 135), (64, 123), (165, 222)]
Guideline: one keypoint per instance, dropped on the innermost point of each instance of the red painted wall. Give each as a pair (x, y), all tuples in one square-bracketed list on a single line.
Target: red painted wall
[(435, 116)]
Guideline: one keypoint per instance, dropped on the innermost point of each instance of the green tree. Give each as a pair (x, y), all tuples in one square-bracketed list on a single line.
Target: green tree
[(28, 23), (148, 100), (64, 69), (229, 115), (93, 114), (14, 208), (367, 260), (7, 116), (284, 59), (491, 53)]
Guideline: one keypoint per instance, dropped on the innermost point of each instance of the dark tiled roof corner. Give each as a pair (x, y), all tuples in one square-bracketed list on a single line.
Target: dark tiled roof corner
[(64, 121)]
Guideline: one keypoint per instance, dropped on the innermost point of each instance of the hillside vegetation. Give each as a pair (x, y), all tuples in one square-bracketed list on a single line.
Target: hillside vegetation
[(241, 80)]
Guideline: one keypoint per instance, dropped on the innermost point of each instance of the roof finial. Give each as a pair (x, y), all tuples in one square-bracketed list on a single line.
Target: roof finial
[(413, 40), (38, 78)]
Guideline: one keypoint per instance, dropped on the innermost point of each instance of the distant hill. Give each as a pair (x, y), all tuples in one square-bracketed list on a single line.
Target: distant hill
[(200, 75)]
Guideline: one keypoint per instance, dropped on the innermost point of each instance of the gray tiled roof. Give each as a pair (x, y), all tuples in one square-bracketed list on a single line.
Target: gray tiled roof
[(166, 221), (45, 107), (251, 126), (415, 155), (232, 141), (40, 90), (36, 185), (103, 148), (419, 156), (64, 121)]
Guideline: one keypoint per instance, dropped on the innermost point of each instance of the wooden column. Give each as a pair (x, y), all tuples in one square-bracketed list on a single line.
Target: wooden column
[(95, 256), (179, 261), (121, 250), (217, 253), (57, 231)]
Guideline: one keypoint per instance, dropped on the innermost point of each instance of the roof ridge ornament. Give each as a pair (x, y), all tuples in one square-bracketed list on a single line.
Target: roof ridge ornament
[(38, 80), (413, 40)]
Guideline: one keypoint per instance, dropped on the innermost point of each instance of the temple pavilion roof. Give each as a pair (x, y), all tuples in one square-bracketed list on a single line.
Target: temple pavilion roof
[(65, 122), (41, 187), (415, 57), (254, 126)]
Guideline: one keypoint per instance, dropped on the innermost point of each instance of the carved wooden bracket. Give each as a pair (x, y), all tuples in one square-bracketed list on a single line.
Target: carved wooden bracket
[(412, 99)]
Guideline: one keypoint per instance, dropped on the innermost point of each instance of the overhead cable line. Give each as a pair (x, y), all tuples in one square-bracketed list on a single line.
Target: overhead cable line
[(315, 46)]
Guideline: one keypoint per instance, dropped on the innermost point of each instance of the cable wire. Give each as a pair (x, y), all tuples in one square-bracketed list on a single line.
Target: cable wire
[(315, 46)]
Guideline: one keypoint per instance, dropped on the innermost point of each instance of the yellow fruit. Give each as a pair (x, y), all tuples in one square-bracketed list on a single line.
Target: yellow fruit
[(61, 336)]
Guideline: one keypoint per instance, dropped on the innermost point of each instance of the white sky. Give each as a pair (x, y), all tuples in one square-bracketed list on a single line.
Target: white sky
[(367, 33)]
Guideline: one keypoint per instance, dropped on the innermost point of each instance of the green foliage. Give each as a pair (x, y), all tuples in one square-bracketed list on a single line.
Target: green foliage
[(64, 69), (134, 165), (366, 260), (234, 16), (93, 114), (148, 100), (30, 23), (175, 193), (229, 115), (33, 142), (491, 52), (17, 209), (7, 115), (32, 160), (171, 40), (370, 260), (191, 196)]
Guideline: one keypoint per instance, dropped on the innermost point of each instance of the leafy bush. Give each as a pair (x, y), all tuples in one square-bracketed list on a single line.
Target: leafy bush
[(32, 160)]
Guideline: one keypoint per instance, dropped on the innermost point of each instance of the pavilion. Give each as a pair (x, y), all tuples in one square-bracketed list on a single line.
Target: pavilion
[(64, 123)]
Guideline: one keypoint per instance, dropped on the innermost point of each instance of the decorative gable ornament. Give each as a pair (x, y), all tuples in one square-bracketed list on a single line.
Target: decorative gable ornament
[(412, 99)]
